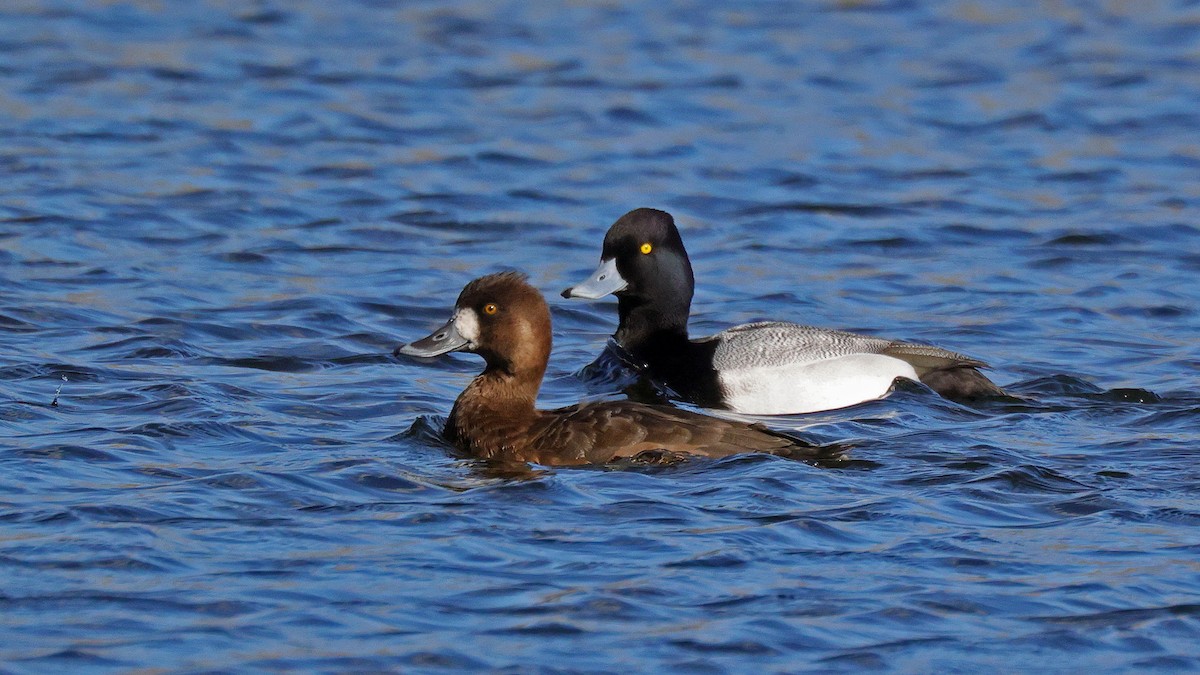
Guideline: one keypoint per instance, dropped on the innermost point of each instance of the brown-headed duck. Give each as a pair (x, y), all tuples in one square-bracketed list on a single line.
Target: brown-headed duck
[(506, 321), (765, 368)]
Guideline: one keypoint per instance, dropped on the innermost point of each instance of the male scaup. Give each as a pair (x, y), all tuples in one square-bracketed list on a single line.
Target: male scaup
[(505, 320), (766, 368)]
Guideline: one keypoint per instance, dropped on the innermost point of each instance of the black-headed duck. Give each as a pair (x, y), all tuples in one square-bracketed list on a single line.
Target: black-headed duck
[(765, 368), (506, 321)]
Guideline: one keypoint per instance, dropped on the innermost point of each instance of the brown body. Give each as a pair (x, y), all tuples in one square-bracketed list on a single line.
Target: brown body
[(506, 321)]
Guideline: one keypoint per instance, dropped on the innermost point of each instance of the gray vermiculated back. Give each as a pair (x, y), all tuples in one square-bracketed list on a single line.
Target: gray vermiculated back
[(774, 343)]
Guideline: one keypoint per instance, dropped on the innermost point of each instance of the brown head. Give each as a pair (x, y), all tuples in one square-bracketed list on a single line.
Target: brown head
[(503, 319)]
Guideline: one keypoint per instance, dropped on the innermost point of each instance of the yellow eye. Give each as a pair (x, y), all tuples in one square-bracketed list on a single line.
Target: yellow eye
[(489, 308), (646, 248)]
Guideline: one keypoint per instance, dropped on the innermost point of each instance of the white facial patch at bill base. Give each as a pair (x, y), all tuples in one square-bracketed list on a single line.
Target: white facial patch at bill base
[(466, 322)]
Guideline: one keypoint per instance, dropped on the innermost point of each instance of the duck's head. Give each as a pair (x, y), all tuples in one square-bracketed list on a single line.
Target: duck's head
[(644, 264), (500, 317)]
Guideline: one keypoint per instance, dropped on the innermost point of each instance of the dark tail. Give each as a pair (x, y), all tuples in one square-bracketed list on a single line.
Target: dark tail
[(961, 383)]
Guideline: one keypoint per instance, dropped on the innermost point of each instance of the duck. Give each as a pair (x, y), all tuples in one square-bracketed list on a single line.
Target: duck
[(505, 320), (762, 368)]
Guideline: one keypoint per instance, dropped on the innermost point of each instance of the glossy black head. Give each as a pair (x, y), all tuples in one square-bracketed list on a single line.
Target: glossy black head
[(644, 264), (649, 254)]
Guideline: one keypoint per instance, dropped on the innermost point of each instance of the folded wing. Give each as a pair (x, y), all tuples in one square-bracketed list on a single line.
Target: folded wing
[(611, 430)]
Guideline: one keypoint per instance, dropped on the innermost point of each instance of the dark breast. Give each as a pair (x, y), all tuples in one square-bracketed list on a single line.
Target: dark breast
[(683, 366), (489, 432)]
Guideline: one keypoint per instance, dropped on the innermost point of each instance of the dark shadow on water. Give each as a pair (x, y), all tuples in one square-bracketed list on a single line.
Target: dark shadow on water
[(1051, 392), (427, 430)]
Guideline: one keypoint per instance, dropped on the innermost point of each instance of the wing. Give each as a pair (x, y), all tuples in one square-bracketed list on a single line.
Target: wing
[(776, 343), (611, 430), (925, 358)]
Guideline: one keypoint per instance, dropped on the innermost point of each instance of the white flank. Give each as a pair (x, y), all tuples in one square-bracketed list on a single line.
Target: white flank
[(813, 386)]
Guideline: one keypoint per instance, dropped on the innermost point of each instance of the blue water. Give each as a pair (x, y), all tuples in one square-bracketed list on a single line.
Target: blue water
[(217, 219)]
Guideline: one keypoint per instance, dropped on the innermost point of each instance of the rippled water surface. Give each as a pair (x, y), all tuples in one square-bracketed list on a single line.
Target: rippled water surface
[(217, 218)]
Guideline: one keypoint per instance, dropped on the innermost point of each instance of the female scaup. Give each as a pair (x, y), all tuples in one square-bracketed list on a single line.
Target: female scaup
[(505, 320), (766, 368)]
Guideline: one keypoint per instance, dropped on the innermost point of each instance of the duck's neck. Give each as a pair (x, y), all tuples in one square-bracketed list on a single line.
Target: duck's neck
[(647, 325), (491, 416), (656, 337)]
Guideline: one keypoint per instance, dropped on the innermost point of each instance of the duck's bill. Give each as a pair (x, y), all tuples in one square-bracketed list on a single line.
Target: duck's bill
[(606, 279), (442, 341)]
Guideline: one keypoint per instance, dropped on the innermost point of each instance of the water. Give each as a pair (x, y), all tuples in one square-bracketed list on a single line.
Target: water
[(217, 218)]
